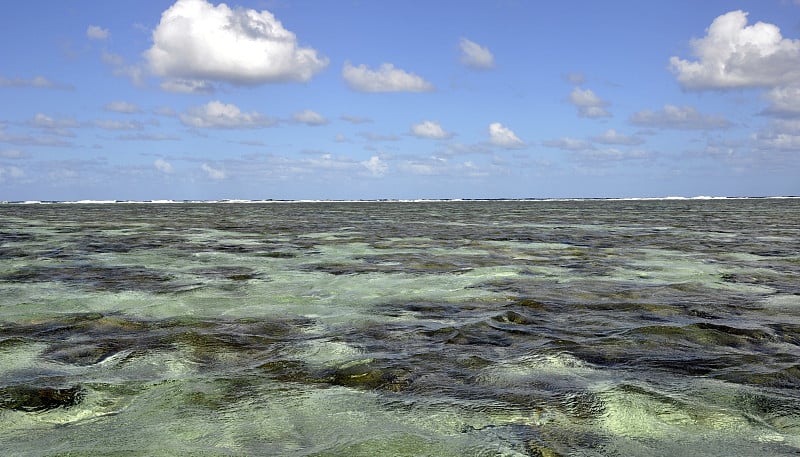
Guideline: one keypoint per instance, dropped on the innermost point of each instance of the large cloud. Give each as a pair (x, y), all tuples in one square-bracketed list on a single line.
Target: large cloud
[(223, 115), (734, 55), (386, 78), (197, 41)]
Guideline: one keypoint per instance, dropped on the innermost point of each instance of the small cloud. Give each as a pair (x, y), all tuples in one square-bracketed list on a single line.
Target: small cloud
[(213, 173), (475, 56), (611, 136), (340, 138), (121, 68), (375, 166), (14, 154), (165, 111), (37, 82), (148, 137), (109, 124), (504, 137), (163, 166), (309, 117), (678, 117), (95, 32), (188, 86), (784, 102), (589, 105), (224, 116), (431, 130), (568, 144), (122, 107), (371, 136), (11, 172), (46, 122), (576, 79), (387, 78), (195, 39), (355, 119)]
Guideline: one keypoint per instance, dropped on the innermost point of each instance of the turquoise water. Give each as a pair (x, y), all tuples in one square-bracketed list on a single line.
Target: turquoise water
[(502, 328)]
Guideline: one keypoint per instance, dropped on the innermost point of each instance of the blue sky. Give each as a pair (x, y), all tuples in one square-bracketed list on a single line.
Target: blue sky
[(192, 99)]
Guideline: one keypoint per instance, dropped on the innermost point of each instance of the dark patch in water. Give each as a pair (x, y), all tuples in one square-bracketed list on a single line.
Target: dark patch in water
[(38, 399)]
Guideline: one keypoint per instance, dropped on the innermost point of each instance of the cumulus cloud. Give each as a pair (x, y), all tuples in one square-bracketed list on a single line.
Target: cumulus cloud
[(213, 173), (309, 117), (679, 117), (781, 134), (589, 105), (504, 137), (475, 56), (37, 82), (611, 136), (197, 41), (431, 130), (188, 86), (122, 107), (735, 55), (95, 32), (216, 114), (386, 78), (376, 166), (163, 166)]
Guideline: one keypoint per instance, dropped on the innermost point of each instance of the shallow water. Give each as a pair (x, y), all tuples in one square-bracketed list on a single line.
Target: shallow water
[(584, 328)]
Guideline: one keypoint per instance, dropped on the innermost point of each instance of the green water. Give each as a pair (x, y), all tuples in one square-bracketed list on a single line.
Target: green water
[(517, 328)]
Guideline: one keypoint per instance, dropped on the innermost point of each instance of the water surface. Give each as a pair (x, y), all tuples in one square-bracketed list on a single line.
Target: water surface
[(514, 328)]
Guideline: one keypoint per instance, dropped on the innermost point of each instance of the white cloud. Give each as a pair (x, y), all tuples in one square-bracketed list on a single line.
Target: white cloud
[(589, 105), (121, 68), (13, 154), (733, 55), (781, 134), (163, 166), (38, 82), (122, 107), (11, 172), (376, 166), (109, 124), (611, 136), (188, 86), (504, 137), (679, 117), (355, 119), (196, 40), (340, 138), (222, 115), (568, 144), (46, 122), (474, 55), (785, 102), (95, 32), (575, 78), (431, 130), (387, 78), (213, 173), (309, 117)]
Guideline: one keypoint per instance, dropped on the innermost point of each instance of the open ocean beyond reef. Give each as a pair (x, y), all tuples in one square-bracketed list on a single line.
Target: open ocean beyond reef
[(460, 328)]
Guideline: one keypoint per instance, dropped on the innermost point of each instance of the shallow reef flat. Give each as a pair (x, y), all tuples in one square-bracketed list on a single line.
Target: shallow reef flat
[(486, 328)]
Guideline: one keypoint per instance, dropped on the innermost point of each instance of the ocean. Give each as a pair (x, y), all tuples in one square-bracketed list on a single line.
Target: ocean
[(426, 328)]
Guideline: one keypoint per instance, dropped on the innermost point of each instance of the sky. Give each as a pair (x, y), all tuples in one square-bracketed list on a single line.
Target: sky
[(357, 99)]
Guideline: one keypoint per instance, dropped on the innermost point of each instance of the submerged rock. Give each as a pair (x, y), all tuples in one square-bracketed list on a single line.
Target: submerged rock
[(34, 399)]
